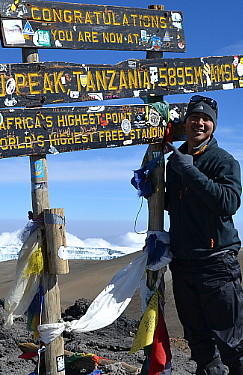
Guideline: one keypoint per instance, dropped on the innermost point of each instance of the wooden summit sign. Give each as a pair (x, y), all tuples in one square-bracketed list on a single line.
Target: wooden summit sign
[(61, 129), (36, 84), (48, 24)]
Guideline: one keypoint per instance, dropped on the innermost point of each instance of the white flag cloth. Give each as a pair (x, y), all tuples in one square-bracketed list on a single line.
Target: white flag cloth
[(113, 300), (107, 306), (27, 278)]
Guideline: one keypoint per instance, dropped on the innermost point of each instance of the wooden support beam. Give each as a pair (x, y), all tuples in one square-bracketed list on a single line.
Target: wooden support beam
[(54, 221), (54, 353), (156, 201)]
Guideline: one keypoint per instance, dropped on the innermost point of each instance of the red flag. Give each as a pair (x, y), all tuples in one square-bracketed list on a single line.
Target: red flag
[(168, 137), (28, 355), (161, 353)]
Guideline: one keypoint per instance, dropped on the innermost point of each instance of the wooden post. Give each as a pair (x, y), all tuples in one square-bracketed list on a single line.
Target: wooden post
[(39, 184), (54, 353), (56, 241), (156, 200)]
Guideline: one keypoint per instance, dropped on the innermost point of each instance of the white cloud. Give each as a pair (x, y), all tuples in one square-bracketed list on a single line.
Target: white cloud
[(135, 239), (101, 169), (238, 154), (17, 170), (232, 49), (89, 242), (132, 242), (10, 238), (222, 131)]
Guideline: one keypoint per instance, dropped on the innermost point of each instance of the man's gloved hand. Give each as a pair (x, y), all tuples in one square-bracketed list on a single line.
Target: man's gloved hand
[(179, 162)]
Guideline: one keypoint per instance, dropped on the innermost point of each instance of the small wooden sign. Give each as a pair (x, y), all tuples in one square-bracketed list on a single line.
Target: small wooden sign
[(37, 84), (48, 24), (62, 129)]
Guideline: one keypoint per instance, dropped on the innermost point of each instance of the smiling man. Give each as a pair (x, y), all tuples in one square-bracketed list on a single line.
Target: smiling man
[(203, 190), (200, 121)]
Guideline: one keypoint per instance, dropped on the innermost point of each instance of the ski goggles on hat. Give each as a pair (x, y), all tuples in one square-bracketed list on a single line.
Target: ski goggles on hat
[(198, 98)]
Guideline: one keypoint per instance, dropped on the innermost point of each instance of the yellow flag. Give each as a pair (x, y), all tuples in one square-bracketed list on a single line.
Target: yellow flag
[(35, 265), (148, 324)]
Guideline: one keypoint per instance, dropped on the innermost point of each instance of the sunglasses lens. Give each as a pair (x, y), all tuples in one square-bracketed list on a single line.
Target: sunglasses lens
[(196, 98), (209, 101)]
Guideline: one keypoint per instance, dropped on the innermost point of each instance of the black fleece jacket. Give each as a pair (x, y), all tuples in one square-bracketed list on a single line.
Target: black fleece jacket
[(201, 203)]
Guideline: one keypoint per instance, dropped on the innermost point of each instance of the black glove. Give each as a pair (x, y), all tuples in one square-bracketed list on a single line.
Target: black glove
[(180, 162)]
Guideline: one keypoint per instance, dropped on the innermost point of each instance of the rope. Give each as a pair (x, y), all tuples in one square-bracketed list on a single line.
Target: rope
[(136, 218)]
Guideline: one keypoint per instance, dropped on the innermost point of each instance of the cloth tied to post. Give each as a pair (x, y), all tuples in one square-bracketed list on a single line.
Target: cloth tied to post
[(30, 266), (110, 303), (152, 334)]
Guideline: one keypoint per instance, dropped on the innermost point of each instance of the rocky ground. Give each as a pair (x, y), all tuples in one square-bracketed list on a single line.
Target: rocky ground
[(112, 342)]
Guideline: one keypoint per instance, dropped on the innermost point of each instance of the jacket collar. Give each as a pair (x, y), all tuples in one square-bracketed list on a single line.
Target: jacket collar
[(199, 149)]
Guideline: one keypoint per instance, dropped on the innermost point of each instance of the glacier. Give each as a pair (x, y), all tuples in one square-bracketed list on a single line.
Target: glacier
[(91, 248)]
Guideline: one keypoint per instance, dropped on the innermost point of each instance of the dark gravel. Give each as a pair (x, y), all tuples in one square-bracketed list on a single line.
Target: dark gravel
[(112, 342)]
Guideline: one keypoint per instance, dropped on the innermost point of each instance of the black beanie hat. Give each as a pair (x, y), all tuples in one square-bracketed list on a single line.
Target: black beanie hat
[(202, 107)]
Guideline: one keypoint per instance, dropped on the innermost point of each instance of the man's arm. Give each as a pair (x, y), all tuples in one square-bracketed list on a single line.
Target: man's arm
[(222, 194)]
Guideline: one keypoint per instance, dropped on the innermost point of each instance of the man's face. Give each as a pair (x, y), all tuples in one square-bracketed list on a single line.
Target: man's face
[(199, 127)]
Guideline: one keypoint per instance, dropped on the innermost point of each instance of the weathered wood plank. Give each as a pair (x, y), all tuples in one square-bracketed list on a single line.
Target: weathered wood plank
[(48, 24), (59, 82), (63, 129)]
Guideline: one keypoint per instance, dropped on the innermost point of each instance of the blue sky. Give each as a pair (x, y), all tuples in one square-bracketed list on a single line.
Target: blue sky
[(94, 186)]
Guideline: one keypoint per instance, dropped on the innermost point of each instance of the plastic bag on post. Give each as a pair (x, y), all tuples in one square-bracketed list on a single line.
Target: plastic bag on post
[(29, 267)]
